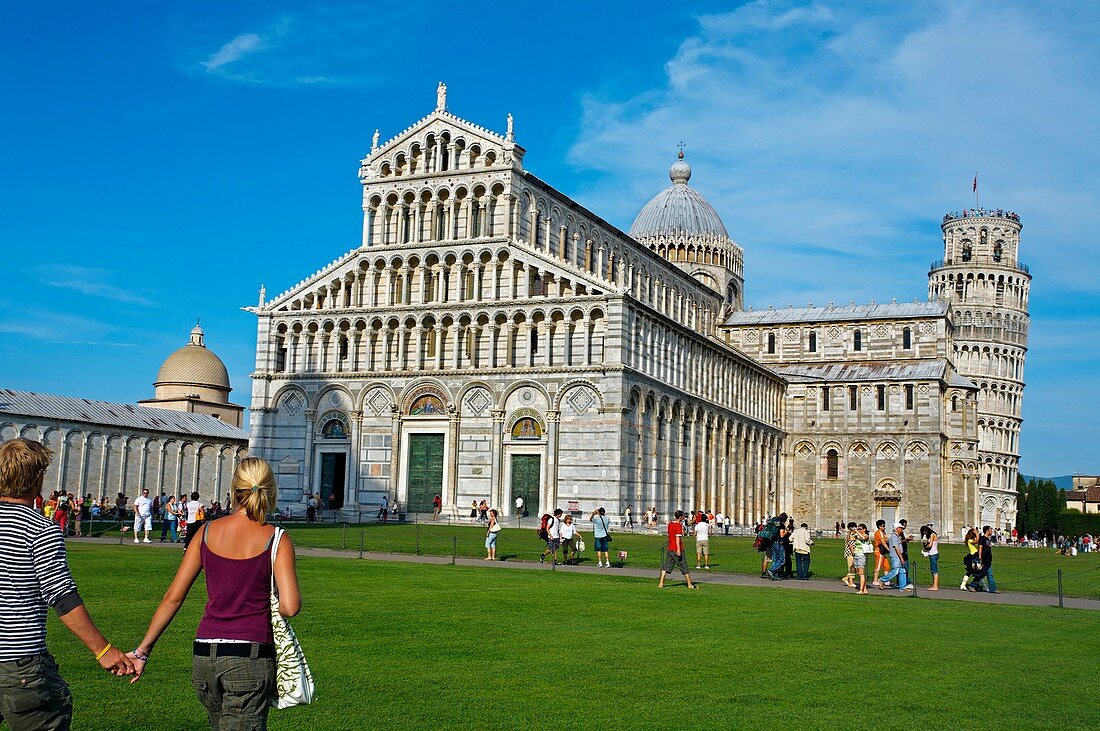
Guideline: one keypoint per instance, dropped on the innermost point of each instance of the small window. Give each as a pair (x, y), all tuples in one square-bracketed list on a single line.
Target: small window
[(429, 335), (536, 285), (470, 283), (832, 465), (852, 402), (813, 342), (857, 341), (534, 340), (343, 347), (881, 393), (968, 252), (771, 342), (907, 338), (954, 403), (909, 396), (825, 398)]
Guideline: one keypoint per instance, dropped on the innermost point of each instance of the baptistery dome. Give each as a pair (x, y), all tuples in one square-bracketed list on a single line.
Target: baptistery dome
[(678, 210)]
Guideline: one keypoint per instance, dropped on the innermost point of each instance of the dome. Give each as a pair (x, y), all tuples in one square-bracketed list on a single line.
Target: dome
[(194, 365), (678, 210)]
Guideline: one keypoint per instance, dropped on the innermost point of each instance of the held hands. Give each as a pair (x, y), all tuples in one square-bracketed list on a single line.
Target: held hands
[(139, 665), (116, 663)]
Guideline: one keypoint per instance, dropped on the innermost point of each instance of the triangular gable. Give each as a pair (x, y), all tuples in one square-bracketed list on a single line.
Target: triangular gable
[(437, 121)]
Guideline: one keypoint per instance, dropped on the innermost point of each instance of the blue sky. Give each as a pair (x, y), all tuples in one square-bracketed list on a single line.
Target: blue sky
[(161, 161)]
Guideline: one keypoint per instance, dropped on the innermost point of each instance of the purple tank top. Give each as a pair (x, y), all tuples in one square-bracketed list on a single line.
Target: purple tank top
[(238, 590)]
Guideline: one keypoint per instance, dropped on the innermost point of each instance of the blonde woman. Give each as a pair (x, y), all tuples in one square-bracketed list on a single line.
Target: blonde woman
[(234, 666), (569, 537), (859, 556)]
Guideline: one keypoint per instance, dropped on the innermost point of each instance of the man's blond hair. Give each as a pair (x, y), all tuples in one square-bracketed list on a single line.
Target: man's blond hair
[(23, 465)]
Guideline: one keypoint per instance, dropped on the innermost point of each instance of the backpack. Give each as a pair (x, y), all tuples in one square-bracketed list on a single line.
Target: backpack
[(200, 514), (543, 530), (767, 534)]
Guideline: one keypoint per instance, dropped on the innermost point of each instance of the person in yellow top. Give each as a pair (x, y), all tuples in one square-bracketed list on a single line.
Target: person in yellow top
[(882, 551), (972, 559)]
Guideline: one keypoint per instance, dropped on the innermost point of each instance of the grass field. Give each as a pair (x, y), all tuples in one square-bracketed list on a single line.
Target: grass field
[(413, 646), (1016, 569)]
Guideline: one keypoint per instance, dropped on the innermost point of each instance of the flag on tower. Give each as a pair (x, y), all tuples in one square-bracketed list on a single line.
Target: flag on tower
[(975, 186)]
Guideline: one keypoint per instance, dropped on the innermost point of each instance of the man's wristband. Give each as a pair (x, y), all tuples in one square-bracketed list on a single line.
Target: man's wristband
[(103, 651)]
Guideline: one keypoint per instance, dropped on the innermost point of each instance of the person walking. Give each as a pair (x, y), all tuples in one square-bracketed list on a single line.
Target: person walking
[(170, 527), (985, 554), (801, 542), (897, 561), (850, 555), (674, 551), (194, 521), (61, 512), (859, 557), (553, 536), (628, 517), (568, 540), (384, 508), (702, 543), (233, 670), (311, 508), (35, 576), (931, 541), (491, 533), (519, 506), (778, 553), (437, 506), (143, 515), (882, 551), (601, 537)]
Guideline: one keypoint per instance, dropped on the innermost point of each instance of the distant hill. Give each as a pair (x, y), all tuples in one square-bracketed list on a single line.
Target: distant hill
[(1065, 482)]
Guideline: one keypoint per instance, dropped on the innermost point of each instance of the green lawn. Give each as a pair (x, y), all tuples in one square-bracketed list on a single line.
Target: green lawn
[(412, 646), (1016, 569)]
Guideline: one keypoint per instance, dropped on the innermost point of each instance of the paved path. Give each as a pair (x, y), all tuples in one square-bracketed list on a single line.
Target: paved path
[(675, 582)]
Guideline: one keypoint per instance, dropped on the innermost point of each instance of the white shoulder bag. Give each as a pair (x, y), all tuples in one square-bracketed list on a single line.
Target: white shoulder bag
[(293, 680)]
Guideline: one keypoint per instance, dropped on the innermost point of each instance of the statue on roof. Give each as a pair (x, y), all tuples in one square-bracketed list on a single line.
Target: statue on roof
[(441, 97), (511, 129), (374, 142)]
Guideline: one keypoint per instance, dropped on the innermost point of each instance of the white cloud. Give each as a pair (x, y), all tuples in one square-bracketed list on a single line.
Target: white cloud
[(234, 50), (92, 282)]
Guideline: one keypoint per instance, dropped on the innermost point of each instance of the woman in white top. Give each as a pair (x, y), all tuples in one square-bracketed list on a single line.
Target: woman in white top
[(569, 537), (491, 536)]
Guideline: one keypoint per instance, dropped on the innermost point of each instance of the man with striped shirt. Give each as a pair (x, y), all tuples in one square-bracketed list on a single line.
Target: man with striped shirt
[(34, 576)]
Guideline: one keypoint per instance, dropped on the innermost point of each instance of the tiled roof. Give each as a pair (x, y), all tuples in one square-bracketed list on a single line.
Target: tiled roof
[(868, 371), (1089, 495), (105, 413), (795, 315)]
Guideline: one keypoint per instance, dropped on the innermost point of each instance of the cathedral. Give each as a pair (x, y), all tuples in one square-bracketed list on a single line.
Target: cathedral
[(492, 339)]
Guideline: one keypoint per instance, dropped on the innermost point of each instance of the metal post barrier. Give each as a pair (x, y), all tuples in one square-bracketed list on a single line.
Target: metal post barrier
[(344, 538), (361, 540), (417, 539), (1061, 604), (454, 549), (913, 576), (121, 535)]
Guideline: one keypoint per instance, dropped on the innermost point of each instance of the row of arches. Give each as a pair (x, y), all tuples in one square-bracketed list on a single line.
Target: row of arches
[(436, 277), (989, 288), (999, 435), (523, 338), (704, 250), (701, 368), (103, 463), (985, 360), (1000, 398), (437, 152), (683, 454)]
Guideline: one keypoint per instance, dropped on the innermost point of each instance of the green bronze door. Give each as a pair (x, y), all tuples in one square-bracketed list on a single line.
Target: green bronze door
[(425, 471), (525, 482)]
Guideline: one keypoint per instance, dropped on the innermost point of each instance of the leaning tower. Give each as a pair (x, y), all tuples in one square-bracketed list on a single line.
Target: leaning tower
[(981, 275)]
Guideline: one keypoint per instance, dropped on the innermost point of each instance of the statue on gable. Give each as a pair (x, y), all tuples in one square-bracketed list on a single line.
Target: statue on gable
[(441, 97)]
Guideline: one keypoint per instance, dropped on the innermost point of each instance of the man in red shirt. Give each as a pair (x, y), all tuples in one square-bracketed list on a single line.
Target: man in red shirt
[(674, 551)]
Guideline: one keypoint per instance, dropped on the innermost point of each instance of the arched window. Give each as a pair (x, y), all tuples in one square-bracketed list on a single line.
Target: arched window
[(343, 347), (813, 342), (771, 342), (954, 403), (907, 338), (857, 340), (427, 405), (334, 429), (832, 465), (968, 251)]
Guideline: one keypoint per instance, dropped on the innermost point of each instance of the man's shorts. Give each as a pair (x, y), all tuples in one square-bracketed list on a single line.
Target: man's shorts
[(553, 544), (33, 693), (673, 560), (602, 544), (143, 522), (702, 547)]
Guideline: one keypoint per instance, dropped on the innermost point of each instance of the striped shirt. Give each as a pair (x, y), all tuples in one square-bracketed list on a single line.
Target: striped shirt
[(33, 576)]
